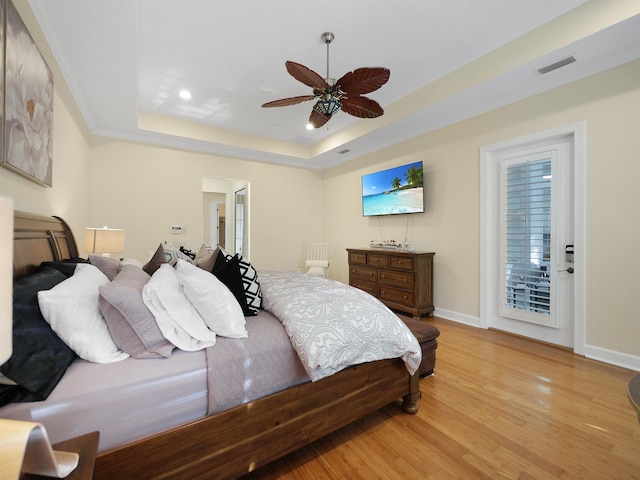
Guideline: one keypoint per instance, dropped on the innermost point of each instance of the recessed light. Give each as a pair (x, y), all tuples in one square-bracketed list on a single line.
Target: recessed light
[(309, 126), (185, 94)]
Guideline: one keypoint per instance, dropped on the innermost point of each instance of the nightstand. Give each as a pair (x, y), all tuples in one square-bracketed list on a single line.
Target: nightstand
[(86, 446)]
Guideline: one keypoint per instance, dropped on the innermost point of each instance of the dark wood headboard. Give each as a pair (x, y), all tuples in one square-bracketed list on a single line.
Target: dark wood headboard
[(38, 239)]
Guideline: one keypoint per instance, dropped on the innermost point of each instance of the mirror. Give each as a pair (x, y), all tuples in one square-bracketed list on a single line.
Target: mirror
[(241, 220), (214, 210), (225, 208)]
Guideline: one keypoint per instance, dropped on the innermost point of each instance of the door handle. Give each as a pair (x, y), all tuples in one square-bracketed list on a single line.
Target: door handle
[(568, 270)]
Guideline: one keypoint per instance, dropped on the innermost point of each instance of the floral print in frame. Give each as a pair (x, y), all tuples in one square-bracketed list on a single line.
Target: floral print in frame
[(2, 15), (28, 123)]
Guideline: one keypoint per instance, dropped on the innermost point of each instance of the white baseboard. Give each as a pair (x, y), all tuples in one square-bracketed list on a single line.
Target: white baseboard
[(600, 354), (612, 357), (457, 317)]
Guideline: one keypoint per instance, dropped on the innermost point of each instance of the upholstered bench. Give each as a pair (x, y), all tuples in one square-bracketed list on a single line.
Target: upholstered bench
[(427, 335)]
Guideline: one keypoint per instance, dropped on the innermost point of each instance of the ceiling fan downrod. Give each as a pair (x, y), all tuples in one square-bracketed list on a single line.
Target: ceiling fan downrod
[(328, 38)]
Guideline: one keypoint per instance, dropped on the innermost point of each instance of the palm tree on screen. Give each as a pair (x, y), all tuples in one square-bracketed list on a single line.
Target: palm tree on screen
[(414, 177)]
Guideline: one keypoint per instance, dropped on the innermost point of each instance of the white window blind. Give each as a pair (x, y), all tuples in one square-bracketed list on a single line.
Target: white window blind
[(526, 237)]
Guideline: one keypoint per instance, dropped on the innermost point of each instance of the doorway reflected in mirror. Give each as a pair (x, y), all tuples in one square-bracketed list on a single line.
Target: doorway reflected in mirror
[(225, 208)]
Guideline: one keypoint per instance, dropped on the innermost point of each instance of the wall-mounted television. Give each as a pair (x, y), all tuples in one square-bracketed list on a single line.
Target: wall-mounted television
[(394, 191)]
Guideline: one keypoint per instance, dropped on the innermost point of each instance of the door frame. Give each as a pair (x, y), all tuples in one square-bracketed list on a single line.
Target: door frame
[(490, 222)]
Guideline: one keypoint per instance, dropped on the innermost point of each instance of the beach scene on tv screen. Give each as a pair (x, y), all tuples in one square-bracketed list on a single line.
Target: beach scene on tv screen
[(393, 191)]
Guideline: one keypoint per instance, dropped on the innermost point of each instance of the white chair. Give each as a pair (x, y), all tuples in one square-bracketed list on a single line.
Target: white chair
[(317, 259)]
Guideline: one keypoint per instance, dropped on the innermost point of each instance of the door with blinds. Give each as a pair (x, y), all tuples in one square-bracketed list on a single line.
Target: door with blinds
[(536, 246)]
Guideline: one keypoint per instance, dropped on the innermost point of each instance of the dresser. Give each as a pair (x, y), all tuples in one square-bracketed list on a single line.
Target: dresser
[(401, 280)]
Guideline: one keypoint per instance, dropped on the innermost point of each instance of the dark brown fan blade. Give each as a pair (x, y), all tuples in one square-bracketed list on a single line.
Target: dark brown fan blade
[(362, 107), (285, 102), (306, 76), (363, 80), (318, 119)]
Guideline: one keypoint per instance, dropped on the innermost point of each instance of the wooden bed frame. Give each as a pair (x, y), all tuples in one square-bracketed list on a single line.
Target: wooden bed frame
[(239, 440)]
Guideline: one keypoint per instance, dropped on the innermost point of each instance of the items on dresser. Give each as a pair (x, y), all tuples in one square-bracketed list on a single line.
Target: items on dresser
[(401, 280)]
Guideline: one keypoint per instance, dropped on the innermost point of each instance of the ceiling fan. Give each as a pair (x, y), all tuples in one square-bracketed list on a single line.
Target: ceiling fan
[(333, 95)]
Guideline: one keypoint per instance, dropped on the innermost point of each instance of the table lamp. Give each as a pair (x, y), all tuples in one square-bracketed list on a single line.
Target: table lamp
[(103, 240)]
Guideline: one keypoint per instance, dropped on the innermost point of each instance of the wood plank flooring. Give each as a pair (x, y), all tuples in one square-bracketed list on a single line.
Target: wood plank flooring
[(498, 407)]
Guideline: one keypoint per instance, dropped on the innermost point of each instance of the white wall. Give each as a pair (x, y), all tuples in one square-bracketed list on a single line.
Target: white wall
[(610, 105), (146, 190)]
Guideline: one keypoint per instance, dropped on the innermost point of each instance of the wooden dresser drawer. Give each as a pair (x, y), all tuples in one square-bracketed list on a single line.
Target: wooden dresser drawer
[(377, 260), (366, 274), (396, 279), (394, 295), (400, 279), (404, 263), (371, 288), (359, 258)]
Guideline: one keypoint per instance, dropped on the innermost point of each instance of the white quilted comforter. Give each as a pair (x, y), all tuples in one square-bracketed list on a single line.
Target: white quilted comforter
[(333, 326)]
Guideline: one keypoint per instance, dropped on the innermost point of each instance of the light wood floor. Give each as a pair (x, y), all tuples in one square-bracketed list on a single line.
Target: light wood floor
[(498, 407)]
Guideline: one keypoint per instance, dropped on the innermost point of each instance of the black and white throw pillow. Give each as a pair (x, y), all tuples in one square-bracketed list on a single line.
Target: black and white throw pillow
[(250, 282)]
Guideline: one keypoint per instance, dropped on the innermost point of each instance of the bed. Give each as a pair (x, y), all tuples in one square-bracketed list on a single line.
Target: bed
[(225, 443)]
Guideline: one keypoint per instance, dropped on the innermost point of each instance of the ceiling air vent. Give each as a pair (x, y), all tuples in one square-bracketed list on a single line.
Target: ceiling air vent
[(556, 65), (342, 152)]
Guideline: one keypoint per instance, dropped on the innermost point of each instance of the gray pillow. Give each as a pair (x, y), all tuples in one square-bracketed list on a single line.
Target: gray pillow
[(155, 261), (132, 326), (107, 265), (166, 253), (206, 257)]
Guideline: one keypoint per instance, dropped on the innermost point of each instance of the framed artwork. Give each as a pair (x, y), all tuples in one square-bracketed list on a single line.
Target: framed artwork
[(28, 97), (2, 15)]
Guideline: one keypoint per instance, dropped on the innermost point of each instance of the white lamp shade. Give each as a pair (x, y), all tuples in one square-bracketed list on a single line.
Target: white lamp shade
[(103, 240), (6, 278)]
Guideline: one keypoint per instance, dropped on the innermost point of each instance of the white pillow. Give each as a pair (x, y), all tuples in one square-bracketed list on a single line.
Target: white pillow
[(178, 320), (213, 300), (71, 308)]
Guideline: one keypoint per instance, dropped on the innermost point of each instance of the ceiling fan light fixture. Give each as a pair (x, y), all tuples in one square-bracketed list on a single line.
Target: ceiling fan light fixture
[(327, 107)]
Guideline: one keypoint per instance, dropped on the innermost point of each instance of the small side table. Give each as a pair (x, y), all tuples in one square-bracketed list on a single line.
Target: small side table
[(86, 446), (633, 390)]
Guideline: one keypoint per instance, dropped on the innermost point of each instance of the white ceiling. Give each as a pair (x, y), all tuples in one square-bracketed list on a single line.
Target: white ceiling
[(123, 58)]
